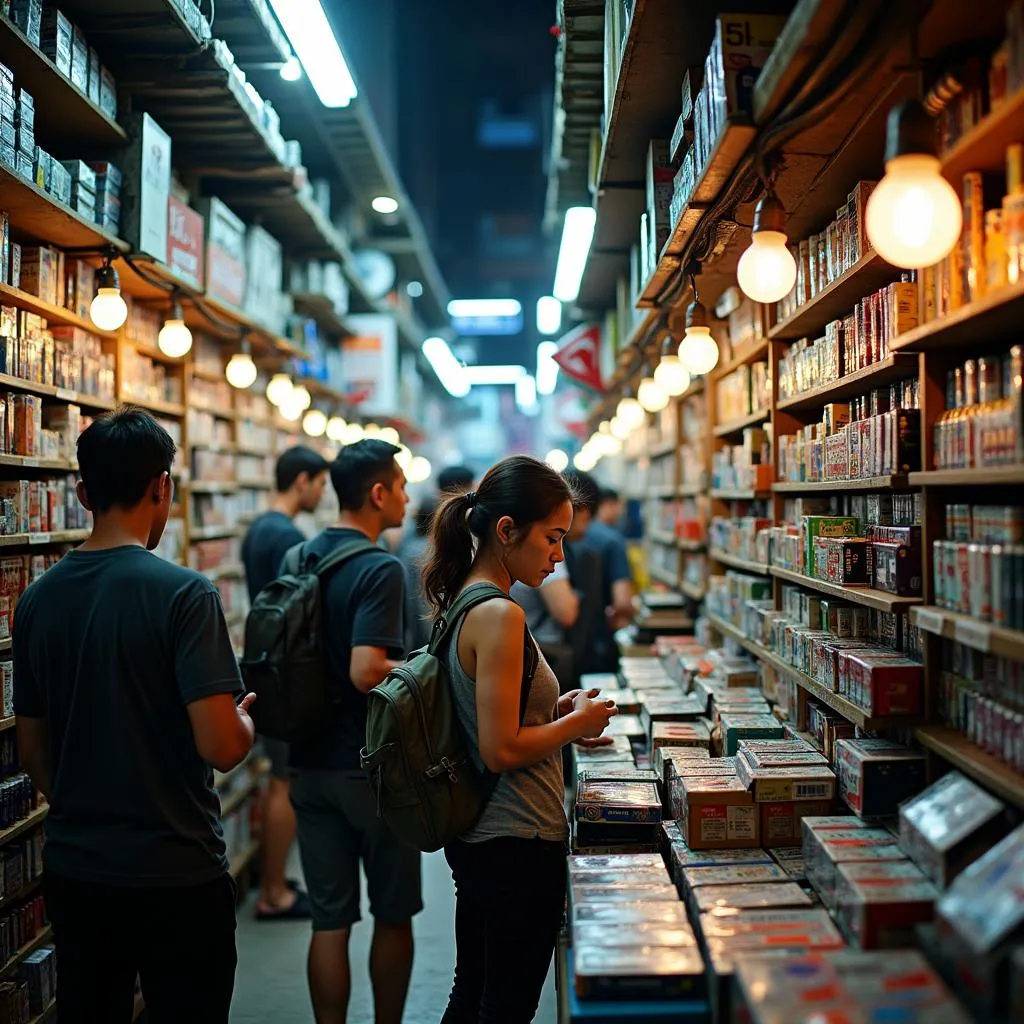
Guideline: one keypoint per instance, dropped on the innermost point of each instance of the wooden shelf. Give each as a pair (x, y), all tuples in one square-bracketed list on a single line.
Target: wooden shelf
[(45, 935), (10, 721), (871, 483), (737, 426), (212, 532), (686, 544), (25, 890), (32, 387), (661, 491), (960, 752), (221, 414), (997, 314), (989, 476), (866, 596), (34, 462), (749, 354), (233, 801), (692, 591), (48, 1014), (156, 405), (213, 487), (660, 537), (659, 451), (321, 309), (52, 314), (892, 368), (15, 540), (670, 579), (256, 485), (837, 300), (37, 817), (760, 568), (982, 636), (731, 494), (983, 148), (688, 490), (5, 644), (726, 628), (242, 860), (225, 572)]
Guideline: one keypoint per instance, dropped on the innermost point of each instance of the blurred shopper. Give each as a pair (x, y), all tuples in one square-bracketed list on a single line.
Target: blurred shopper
[(339, 829), (599, 567), (411, 552), (125, 696), (611, 509), (551, 611), (455, 480), (509, 869), (300, 477)]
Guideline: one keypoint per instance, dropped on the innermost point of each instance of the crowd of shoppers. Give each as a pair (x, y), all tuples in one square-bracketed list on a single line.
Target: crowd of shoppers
[(116, 641)]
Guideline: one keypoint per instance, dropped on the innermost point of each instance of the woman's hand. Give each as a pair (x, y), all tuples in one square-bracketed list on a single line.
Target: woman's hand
[(593, 715), (566, 700)]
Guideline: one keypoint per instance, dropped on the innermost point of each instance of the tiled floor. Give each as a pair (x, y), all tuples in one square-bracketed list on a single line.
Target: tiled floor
[(271, 982)]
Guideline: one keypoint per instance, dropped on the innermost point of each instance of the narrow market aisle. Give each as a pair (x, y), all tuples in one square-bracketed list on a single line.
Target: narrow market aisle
[(270, 985)]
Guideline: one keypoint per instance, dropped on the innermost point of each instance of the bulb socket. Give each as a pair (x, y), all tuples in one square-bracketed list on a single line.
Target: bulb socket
[(910, 130), (697, 315), (769, 214), (106, 277)]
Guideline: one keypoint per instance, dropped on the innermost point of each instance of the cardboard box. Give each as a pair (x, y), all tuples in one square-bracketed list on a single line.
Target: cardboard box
[(676, 734), (627, 972), (738, 727), (185, 233), (147, 185), (791, 782), (881, 904), (719, 814), (780, 820), (264, 275), (876, 776), (753, 896), (225, 252), (824, 850)]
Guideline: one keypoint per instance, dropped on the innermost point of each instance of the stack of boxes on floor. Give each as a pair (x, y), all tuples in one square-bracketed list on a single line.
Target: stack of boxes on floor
[(720, 856)]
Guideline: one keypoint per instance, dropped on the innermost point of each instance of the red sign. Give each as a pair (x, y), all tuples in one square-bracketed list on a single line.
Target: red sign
[(185, 242), (579, 356)]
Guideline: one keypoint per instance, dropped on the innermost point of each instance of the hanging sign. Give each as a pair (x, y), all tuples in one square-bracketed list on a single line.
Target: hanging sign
[(579, 356)]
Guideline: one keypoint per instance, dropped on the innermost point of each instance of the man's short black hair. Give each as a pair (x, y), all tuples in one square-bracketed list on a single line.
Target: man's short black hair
[(609, 494), (120, 455), (358, 467), (585, 488), (296, 461), (455, 478)]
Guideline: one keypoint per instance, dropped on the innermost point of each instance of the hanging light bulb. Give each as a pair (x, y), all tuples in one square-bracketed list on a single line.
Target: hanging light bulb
[(698, 351), (336, 428), (419, 470), (292, 409), (372, 431), (620, 428), (241, 370), (353, 433), (301, 396), (766, 271), (630, 411), (390, 435), (914, 217), (651, 395), (175, 339), (279, 389), (108, 310), (671, 376), (314, 423), (404, 458), (557, 460)]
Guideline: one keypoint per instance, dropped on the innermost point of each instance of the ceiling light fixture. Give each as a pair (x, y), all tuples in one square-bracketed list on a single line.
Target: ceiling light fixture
[(291, 69), (629, 411), (698, 351), (495, 375), (549, 315), (311, 37), (450, 372), (414, 289), (241, 370), (557, 460), (766, 271), (466, 308), (651, 395), (352, 434), (279, 389), (419, 470), (336, 428), (390, 435), (577, 237), (526, 395), (314, 423), (385, 205), (619, 428), (175, 339), (670, 373), (547, 368), (914, 216), (404, 458), (108, 310)]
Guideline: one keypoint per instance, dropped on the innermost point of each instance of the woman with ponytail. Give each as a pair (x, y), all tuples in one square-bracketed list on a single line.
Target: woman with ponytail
[(509, 869)]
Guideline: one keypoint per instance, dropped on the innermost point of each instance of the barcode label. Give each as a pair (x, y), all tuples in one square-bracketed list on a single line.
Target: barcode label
[(39, 538), (929, 621), (811, 790), (29, 460), (973, 634), (66, 394)]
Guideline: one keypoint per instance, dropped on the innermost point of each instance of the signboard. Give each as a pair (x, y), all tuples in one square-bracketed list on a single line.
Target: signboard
[(369, 363), (579, 356), (185, 242)]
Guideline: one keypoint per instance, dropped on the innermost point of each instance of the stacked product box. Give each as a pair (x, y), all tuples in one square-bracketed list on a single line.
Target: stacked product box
[(877, 775), (264, 273), (880, 904), (39, 973), (20, 925), (146, 185), (745, 466), (617, 809), (630, 935), (225, 253), (108, 196), (744, 391)]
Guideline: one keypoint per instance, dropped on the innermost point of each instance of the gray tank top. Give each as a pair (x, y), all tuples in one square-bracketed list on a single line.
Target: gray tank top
[(528, 802)]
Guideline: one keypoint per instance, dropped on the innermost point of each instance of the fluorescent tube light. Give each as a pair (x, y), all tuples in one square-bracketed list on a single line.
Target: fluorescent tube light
[(385, 205), (506, 374), (547, 368), (577, 235), (450, 372), (526, 395), (464, 308), (549, 315), (312, 39)]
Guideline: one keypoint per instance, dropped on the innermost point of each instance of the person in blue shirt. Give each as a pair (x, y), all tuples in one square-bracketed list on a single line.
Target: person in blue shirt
[(300, 478), (124, 693)]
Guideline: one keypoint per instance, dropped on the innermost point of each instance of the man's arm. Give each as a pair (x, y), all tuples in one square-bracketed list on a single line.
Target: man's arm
[(622, 610), (34, 750), (379, 626), (208, 681), (561, 601)]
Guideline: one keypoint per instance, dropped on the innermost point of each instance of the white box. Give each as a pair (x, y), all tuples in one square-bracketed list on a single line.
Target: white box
[(147, 186), (225, 252), (264, 269)]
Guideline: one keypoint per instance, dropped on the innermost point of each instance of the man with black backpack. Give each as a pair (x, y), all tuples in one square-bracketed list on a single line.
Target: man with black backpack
[(363, 625)]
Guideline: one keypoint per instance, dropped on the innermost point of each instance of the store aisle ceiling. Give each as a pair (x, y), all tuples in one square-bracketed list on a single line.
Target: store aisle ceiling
[(462, 92)]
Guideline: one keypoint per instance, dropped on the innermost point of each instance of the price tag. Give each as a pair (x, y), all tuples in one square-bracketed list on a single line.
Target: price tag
[(973, 633), (39, 538), (30, 460), (66, 394), (929, 621)]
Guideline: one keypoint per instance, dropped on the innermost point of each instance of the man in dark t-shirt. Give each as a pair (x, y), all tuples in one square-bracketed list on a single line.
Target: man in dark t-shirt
[(337, 815), (125, 687), (300, 478)]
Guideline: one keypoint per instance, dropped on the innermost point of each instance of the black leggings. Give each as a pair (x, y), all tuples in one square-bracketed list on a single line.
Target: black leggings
[(509, 902)]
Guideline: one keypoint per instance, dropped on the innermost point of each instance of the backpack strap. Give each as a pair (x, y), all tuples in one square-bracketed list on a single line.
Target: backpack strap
[(446, 624), (295, 558)]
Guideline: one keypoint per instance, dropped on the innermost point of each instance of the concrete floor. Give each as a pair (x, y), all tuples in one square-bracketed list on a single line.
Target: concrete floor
[(270, 986)]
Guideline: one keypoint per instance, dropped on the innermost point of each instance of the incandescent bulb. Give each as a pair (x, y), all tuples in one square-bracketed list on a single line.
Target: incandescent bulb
[(557, 459), (174, 339), (108, 311), (279, 389), (651, 395), (292, 409), (914, 216), (672, 376), (301, 397), (390, 435), (353, 433), (336, 428), (631, 413), (620, 429), (314, 423), (419, 470), (698, 351), (767, 271), (404, 458), (241, 371)]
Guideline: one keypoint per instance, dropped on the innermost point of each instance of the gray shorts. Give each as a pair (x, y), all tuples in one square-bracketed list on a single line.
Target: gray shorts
[(338, 828)]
